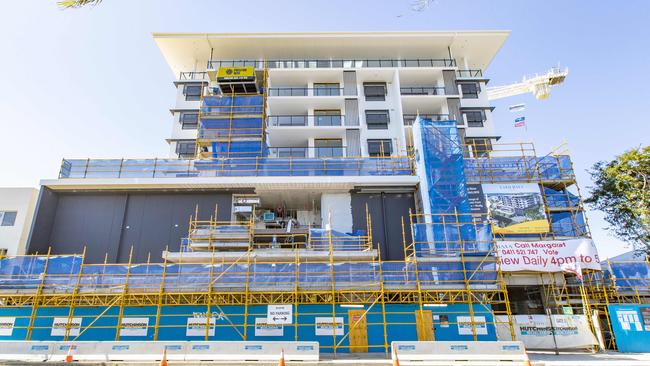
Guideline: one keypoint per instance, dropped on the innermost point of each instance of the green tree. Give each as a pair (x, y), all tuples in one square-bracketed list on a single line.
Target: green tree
[(622, 192), (77, 3)]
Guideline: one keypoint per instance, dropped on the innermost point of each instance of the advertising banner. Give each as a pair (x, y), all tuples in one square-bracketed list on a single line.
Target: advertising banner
[(547, 256), (59, 325), (536, 331), (264, 329), (196, 327), (516, 208), (134, 327), (328, 326), (465, 325), (7, 325), (631, 326)]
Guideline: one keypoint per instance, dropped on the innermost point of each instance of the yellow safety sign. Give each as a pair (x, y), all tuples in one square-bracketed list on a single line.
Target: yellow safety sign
[(236, 73)]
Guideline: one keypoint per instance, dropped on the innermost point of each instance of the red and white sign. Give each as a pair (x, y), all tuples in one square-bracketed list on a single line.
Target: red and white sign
[(547, 256)]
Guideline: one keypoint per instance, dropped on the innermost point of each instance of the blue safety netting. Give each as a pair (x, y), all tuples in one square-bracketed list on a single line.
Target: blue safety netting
[(568, 224), (442, 157), (628, 277), (560, 198), (63, 275), (443, 236), (508, 169), (262, 167), (321, 238)]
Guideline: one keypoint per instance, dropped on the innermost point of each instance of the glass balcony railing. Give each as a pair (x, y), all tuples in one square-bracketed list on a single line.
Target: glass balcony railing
[(305, 92), (329, 162), (307, 152), (304, 120), (410, 118), (423, 90), (324, 64)]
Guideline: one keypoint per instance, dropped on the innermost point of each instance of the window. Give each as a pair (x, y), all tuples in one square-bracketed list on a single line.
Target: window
[(186, 149), (8, 218), (328, 148), (470, 90), (327, 117), (189, 120), (377, 119), (326, 89), (374, 91), (192, 92), (474, 118), (380, 148)]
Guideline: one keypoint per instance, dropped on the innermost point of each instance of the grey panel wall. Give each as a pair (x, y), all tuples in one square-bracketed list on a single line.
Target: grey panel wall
[(349, 83), (110, 223), (353, 143), (453, 104), (449, 77), (351, 112), (386, 211)]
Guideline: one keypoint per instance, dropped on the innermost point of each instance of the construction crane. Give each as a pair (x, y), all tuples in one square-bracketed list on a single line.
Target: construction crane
[(539, 85)]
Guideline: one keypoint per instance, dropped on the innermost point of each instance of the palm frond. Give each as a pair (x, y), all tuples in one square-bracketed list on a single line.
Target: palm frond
[(67, 4)]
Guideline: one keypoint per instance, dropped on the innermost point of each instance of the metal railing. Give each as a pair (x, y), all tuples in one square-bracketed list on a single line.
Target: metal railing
[(423, 90), (340, 63), (304, 92), (193, 75), (410, 118), (470, 73), (329, 161), (305, 120)]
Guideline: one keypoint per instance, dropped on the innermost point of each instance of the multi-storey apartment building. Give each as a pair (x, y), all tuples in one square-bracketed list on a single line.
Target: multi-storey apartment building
[(339, 174)]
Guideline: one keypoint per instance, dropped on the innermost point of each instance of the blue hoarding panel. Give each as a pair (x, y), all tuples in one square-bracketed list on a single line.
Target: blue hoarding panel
[(631, 327)]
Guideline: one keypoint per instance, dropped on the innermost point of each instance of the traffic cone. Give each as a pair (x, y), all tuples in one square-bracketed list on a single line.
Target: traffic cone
[(68, 356), (163, 362), (395, 359), (281, 363)]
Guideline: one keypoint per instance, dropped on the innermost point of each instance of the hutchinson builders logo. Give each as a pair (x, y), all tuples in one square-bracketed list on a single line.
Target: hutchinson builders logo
[(629, 319)]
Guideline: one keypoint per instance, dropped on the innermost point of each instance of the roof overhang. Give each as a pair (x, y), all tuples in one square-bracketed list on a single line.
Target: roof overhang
[(191, 51)]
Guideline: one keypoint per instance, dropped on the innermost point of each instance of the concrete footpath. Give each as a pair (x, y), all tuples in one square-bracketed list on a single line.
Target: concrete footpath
[(373, 359)]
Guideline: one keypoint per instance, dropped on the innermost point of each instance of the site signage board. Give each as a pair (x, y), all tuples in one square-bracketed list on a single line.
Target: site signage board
[(541, 331), (328, 326), (236, 73), (59, 326), (196, 326), (264, 329), (547, 255), (516, 208), (134, 327), (279, 314), (7, 325), (465, 325), (631, 327)]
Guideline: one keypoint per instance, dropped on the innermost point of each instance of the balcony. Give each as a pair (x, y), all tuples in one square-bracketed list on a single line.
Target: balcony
[(236, 167), (410, 118), (469, 74), (328, 64), (423, 90), (193, 75), (307, 152), (305, 120), (305, 92)]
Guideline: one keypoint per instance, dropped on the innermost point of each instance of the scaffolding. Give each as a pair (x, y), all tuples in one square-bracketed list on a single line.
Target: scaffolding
[(400, 293), (232, 122)]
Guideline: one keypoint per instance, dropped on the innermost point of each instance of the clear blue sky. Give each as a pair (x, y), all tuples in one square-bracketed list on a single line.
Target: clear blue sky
[(92, 83)]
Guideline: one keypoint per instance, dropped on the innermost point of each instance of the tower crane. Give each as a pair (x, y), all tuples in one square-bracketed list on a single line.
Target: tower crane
[(539, 85)]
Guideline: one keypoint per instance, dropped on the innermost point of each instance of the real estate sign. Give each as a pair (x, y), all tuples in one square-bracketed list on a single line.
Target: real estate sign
[(547, 256), (516, 208)]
